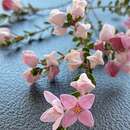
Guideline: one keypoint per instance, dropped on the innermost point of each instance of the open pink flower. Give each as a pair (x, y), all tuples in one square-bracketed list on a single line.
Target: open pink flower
[(83, 84), (82, 30), (5, 34), (96, 59), (52, 65), (77, 109), (107, 32), (30, 58), (55, 113), (12, 5), (74, 58), (31, 79), (57, 17)]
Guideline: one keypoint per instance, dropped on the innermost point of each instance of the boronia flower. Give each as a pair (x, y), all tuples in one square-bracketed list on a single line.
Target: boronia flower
[(30, 78), (30, 58), (83, 84), (59, 31), (77, 109), (57, 17), (5, 34), (82, 30), (12, 5), (74, 59), (52, 65), (107, 32), (96, 59), (55, 113)]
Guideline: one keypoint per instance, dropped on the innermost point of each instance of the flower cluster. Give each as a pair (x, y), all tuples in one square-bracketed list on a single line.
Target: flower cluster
[(112, 49), (68, 109), (116, 47)]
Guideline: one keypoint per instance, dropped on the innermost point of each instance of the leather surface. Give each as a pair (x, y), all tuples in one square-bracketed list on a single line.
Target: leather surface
[(21, 106)]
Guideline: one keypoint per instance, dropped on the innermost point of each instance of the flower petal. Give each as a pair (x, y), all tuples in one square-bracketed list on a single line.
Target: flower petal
[(50, 97), (50, 115), (69, 119), (86, 118), (86, 101), (68, 101), (57, 123)]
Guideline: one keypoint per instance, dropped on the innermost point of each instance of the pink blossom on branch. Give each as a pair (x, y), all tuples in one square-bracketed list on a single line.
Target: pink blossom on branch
[(52, 65), (55, 113), (74, 59), (83, 84), (14, 5), (30, 58), (96, 59), (5, 34), (107, 32), (30, 78), (77, 109)]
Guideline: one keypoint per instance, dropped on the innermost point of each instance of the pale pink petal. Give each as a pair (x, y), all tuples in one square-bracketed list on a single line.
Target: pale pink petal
[(69, 119), (51, 115), (57, 123), (68, 101), (86, 118), (126, 42), (87, 101), (126, 68), (50, 97)]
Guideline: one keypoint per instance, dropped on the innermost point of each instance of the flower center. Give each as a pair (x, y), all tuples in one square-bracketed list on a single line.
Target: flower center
[(77, 109)]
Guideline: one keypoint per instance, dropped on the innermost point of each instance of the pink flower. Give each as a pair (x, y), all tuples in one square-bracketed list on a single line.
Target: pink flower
[(81, 30), (31, 79), (57, 17), (52, 65), (74, 58), (81, 3), (59, 31), (120, 42), (83, 84), (5, 34), (99, 45), (30, 59), (128, 32), (107, 32), (112, 68), (127, 23), (12, 5), (77, 109), (96, 59), (55, 113)]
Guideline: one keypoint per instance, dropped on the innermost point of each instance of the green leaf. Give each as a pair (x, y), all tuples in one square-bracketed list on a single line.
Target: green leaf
[(69, 18), (76, 94), (91, 77)]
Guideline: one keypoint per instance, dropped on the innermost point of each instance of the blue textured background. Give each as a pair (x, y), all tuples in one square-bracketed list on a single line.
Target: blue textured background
[(22, 106)]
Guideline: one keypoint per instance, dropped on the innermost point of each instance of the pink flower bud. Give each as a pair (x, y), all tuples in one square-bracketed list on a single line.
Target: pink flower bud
[(30, 59), (57, 17), (83, 84), (31, 79), (5, 34), (112, 68), (74, 58), (96, 59), (59, 31), (81, 30), (12, 5), (99, 45), (107, 32)]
